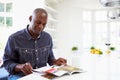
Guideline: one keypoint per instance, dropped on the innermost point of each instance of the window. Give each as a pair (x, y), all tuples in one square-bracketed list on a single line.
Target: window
[(6, 19), (9, 7), (98, 29), (9, 21), (87, 26), (2, 21), (1, 7)]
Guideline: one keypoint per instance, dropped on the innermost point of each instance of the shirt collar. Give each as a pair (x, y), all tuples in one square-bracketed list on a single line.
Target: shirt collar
[(28, 34)]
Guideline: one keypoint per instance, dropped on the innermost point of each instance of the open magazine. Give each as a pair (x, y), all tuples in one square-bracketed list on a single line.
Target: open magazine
[(58, 71)]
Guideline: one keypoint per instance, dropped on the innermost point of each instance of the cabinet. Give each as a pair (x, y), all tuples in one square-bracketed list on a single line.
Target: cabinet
[(51, 26)]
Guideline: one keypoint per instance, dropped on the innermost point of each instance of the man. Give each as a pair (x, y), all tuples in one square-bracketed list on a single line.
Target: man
[(30, 48)]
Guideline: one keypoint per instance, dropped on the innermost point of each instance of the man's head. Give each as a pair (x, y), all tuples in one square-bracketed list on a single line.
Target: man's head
[(38, 20)]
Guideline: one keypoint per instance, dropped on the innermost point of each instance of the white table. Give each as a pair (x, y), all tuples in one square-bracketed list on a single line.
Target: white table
[(87, 75), (37, 76), (80, 76), (105, 67)]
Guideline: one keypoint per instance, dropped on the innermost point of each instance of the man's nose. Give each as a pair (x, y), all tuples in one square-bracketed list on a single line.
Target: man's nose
[(41, 26)]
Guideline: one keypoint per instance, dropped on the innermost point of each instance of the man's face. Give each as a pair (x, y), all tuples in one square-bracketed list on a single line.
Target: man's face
[(38, 22)]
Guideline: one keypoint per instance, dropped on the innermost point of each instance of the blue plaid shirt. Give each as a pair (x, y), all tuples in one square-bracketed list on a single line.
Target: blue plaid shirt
[(22, 48)]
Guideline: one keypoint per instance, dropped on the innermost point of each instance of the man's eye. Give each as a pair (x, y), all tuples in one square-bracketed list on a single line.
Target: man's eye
[(39, 23)]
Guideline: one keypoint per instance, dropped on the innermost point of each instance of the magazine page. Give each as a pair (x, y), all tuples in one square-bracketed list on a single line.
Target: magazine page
[(70, 69), (57, 71)]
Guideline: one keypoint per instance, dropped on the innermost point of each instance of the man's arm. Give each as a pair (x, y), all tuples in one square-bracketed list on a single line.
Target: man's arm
[(9, 56), (10, 60)]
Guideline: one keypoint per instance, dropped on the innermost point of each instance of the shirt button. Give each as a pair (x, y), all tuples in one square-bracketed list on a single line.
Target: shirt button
[(26, 50), (37, 58), (36, 50), (35, 41)]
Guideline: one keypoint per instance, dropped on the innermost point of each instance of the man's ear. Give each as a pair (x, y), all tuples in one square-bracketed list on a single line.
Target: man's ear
[(30, 18)]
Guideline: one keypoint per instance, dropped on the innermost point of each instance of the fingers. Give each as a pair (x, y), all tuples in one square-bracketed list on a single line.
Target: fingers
[(61, 61), (27, 68)]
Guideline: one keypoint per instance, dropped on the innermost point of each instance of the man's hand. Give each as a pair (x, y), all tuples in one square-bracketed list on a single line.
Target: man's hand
[(60, 61), (25, 68)]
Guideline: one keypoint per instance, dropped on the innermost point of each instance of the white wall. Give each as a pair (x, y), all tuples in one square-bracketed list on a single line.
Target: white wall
[(69, 28), (22, 11)]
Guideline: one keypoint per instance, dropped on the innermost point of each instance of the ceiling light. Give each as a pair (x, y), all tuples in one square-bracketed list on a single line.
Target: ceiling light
[(110, 3)]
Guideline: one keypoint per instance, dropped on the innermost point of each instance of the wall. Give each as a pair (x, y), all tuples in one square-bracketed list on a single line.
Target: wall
[(69, 28), (21, 14)]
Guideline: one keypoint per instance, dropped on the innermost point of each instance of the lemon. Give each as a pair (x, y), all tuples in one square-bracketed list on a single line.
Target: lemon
[(108, 51)]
